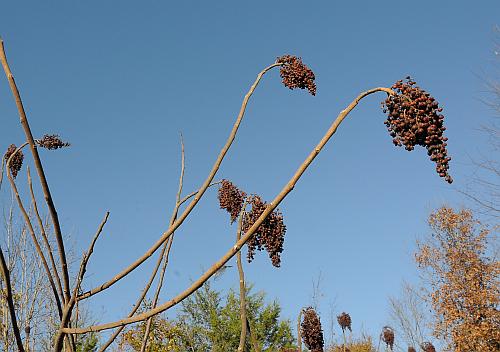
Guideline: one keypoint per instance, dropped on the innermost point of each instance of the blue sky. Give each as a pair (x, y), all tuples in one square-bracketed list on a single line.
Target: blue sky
[(120, 81)]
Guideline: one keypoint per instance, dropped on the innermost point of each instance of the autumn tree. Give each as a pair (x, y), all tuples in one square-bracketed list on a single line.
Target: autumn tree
[(463, 281)]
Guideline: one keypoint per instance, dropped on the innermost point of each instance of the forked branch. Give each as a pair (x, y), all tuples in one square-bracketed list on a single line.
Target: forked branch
[(195, 200), (224, 259)]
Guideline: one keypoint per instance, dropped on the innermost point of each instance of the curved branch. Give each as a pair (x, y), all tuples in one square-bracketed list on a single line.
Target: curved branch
[(193, 203), (224, 259), (39, 169)]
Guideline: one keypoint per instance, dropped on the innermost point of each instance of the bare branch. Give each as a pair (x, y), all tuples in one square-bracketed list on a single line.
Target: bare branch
[(39, 168), (44, 236), (81, 273), (171, 240), (241, 274), (193, 203), (271, 206)]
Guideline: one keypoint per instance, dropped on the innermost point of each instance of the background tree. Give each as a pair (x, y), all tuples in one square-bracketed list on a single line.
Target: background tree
[(464, 288), (208, 321), (37, 312), (484, 188), (409, 317)]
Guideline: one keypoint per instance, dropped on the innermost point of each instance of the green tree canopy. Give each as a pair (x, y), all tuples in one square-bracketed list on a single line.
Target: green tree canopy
[(209, 321)]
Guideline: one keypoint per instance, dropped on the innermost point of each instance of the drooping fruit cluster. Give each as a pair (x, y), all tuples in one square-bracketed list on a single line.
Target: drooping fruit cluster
[(17, 160), (344, 321), (295, 74), (414, 118), (427, 347), (411, 349), (51, 142), (388, 336), (231, 199), (312, 333), (269, 235)]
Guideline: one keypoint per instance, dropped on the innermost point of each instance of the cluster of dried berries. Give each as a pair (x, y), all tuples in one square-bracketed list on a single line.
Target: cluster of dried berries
[(231, 199), (344, 321), (388, 336), (312, 333), (17, 160), (427, 347), (295, 74), (51, 142), (269, 235), (414, 118), (411, 349)]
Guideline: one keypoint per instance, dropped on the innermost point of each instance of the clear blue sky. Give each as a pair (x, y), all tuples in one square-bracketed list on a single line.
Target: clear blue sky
[(120, 80)]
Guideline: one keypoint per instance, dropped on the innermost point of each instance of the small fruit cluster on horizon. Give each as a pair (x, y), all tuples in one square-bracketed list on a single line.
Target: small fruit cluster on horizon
[(414, 118), (344, 321), (388, 336), (427, 347), (311, 331), (295, 74), (270, 235)]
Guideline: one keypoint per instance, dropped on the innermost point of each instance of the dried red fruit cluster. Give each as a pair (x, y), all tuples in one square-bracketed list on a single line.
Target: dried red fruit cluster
[(295, 74), (269, 235), (388, 336), (231, 199), (312, 333), (414, 118), (427, 347), (17, 160), (412, 349), (344, 321), (51, 142)]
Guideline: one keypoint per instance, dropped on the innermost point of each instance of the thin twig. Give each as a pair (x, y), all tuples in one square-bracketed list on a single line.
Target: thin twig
[(148, 284), (270, 207), (171, 240), (81, 273), (195, 200), (10, 301), (241, 274), (39, 169), (299, 335)]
